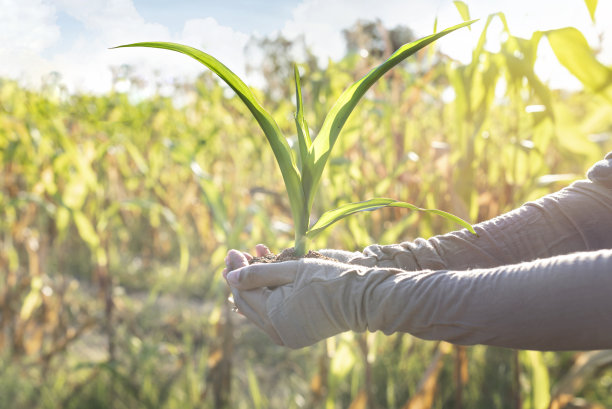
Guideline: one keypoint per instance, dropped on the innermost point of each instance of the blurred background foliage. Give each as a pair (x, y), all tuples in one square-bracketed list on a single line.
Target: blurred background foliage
[(117, 213)]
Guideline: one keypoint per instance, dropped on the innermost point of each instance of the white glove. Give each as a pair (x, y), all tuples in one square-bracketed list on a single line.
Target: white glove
[(298, 303), (526, 306)]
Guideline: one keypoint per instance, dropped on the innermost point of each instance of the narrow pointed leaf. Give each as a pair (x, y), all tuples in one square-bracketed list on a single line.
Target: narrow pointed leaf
[(277, 142), (463, 10), (339, 113), (303, 134), (332, 216), (591, 5), (573, 51)]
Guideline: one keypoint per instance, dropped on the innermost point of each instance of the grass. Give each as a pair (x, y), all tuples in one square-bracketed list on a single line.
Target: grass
[(112, 234)]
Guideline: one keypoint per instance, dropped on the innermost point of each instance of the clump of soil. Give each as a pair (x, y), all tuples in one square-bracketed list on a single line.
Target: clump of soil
[(286, 255)]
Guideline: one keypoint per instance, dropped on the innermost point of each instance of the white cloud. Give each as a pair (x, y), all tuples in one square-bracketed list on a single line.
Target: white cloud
[(85, 64), (27, 27), (322, 21), (222, 42), (32, 44), (27, 24)]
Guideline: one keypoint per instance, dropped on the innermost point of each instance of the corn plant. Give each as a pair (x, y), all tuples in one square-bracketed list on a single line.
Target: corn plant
[(302, 172)]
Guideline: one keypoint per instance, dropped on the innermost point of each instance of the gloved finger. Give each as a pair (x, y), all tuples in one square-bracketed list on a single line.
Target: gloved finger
[(232, 257), (257, 301), (236, 259), (263, 275), (245, 309), (262, 250), (252, 305)]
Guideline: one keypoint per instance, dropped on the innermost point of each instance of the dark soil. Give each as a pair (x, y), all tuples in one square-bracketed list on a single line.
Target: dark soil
[(286, 255)]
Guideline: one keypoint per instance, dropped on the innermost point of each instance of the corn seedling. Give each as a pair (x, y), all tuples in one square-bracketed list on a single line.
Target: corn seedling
[(302, 172)]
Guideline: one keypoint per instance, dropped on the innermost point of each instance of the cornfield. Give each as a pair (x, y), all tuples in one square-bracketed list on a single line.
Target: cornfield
[(117, 213)]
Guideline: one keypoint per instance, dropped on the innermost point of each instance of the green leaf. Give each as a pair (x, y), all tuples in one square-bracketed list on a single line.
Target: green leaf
[(482, 40), (258, 399), (573, 51), (332, 216), (86, 229), (303, 133), (591, 5), (277, 142), (539, 379), (139, 160), (339, 113), (214, 199), (33, 300), (463, 10)]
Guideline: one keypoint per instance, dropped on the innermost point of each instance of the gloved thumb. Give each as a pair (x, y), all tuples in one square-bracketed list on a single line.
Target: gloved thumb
[(235, 259)]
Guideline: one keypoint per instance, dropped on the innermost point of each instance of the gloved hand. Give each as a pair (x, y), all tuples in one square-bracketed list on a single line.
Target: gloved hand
[(298, 303), (394, 256), (526, 306)]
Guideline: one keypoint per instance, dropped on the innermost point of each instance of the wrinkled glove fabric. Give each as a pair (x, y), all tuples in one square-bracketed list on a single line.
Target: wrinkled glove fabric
[(538, 277)]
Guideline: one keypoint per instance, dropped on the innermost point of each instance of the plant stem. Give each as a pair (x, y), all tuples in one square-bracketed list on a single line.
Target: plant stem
[(300, 244), (301, 227)]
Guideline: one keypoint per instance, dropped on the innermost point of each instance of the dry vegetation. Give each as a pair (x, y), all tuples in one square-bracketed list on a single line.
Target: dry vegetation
[(117, 214)]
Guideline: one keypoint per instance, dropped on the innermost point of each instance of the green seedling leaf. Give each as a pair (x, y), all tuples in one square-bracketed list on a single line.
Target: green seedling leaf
[(278, 143), (332, 216), (303, 133), (302, 179), (339, 113)]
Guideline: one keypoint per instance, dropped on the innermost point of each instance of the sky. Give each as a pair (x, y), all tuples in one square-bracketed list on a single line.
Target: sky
[(74, 37)]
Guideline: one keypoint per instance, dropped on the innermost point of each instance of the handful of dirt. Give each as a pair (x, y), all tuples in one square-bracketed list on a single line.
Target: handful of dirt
[(286, 255)]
